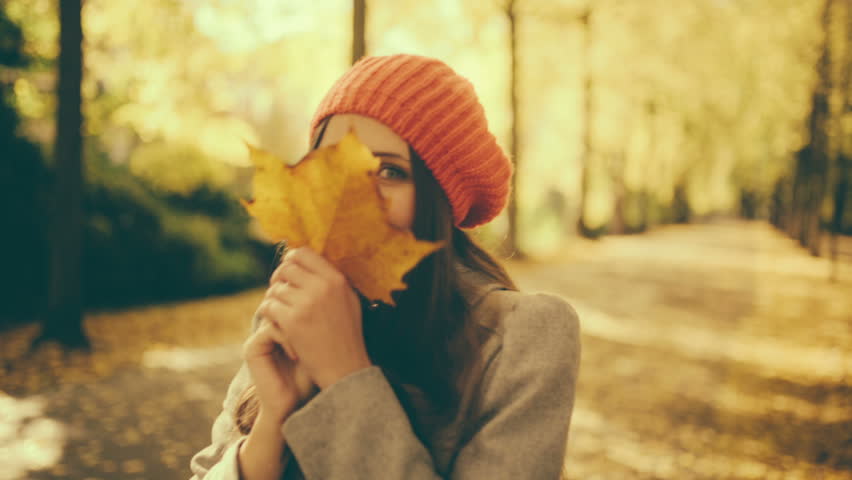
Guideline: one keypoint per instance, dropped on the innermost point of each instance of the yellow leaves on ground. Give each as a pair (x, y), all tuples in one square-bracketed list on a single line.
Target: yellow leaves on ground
[(330, 202), (124, 338)]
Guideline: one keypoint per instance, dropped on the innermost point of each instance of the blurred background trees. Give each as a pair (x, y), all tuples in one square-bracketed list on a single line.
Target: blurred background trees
[(820, 178), (620, 116), (24, 177)]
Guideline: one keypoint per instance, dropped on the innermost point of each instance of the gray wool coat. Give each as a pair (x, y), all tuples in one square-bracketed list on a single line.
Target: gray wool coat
[(513, 422)]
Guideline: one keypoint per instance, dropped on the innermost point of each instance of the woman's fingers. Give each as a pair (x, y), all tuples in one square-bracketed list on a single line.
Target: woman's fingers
[(289, 272), (282, 292), (285, 344), (273, 311), (303, 268), (273, 332), (286, 271), (310, 260)]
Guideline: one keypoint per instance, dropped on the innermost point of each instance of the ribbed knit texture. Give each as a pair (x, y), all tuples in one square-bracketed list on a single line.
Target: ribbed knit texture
[(438, 113)]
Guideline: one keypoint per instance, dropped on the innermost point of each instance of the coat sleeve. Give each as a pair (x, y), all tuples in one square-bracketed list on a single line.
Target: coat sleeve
[(356, 428), (218, 460)]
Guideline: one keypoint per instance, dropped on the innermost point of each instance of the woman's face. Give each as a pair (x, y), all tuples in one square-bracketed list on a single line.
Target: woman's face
[(396, 183)]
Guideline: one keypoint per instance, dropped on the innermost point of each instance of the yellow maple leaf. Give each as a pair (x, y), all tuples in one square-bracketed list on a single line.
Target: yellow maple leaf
[(331, 202)]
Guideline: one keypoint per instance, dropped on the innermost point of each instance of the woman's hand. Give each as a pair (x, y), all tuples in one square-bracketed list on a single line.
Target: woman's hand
[(281, 384), (319, 315)]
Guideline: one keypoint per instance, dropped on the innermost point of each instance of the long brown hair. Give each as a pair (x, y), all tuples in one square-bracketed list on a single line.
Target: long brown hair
[(427, 340)]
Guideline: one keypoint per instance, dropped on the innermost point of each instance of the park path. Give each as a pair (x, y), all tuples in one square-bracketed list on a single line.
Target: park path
[(708, 351), (712, 351)]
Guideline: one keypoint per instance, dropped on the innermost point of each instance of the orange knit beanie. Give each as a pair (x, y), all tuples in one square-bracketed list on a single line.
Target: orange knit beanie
[(438, 113)]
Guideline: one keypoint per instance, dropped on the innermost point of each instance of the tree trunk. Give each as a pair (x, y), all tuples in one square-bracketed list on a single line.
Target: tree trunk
[(618, 222), (843, 162), (812, 162), (680, 204), (586, 135), (510, 245), (63, 319), (841, 191), (779, 210), (645, 192), (795, 199), (359, 18), (821, 151)]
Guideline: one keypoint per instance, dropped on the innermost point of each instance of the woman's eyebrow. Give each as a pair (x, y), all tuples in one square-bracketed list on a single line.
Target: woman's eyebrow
[(391, 154)]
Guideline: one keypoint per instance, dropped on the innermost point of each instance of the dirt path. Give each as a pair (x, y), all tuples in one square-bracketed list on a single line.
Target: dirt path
[(714, 351), (717, 351)]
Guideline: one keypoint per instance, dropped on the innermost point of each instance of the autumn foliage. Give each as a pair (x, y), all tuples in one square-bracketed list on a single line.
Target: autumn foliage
[(330, 201)]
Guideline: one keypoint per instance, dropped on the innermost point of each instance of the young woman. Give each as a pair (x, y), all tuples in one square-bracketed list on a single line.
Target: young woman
[(465, 378)]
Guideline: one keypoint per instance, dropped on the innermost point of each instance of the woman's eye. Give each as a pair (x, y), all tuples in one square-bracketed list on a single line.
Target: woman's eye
[(392, 172)]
